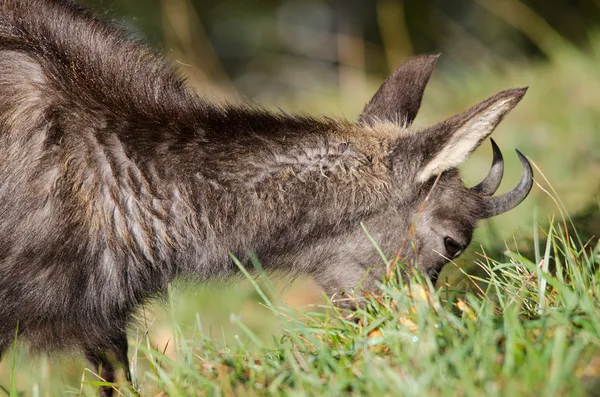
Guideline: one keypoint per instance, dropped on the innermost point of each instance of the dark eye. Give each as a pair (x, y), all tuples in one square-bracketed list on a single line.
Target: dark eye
[(452, 247)]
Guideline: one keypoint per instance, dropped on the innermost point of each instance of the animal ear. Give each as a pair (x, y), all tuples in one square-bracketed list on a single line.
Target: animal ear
[(450, 142), (399, 98)]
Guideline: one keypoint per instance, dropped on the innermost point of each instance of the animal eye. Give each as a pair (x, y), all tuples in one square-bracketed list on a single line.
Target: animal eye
[(452, 247)]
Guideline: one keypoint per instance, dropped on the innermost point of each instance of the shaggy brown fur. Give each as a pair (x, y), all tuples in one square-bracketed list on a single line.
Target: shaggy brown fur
[(116, 179)]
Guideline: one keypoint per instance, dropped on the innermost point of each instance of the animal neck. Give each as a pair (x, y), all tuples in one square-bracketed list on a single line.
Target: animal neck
[(181, 200), (274, 189)]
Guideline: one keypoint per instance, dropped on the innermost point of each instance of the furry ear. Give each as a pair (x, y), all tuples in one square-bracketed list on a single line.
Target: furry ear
[(399, 98), (450, 142)]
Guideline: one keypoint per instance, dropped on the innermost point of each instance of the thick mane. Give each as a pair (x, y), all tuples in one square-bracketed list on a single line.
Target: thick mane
[(90, 62), (94, 66)]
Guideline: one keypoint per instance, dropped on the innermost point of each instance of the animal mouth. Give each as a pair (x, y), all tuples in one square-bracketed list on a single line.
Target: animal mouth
[(433, 275)]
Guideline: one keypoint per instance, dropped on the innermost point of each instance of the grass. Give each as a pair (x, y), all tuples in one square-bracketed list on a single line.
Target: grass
[(530, 327)]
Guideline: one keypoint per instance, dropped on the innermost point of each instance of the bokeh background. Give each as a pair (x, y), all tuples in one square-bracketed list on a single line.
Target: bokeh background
[(329, 57)]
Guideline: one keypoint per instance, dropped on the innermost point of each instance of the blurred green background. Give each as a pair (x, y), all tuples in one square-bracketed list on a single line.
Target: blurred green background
[(329, 57)]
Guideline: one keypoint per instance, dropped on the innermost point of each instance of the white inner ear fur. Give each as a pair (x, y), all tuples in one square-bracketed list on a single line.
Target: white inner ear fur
[(466, 139)]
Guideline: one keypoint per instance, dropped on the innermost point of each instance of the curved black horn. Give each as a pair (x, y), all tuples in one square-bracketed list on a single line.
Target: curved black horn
[(498, 205), (491, 183)]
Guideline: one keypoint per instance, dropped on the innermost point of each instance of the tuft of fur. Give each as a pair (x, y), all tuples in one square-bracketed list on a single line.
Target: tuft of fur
[(116, 180)]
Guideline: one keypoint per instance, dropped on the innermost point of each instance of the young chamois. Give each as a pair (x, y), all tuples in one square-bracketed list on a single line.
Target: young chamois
[(116, 179)]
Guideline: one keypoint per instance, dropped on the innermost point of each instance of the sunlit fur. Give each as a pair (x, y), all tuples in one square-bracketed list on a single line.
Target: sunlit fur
[(115, 180)]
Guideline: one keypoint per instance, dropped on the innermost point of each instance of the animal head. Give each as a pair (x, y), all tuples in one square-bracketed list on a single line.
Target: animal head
[(431, 215)]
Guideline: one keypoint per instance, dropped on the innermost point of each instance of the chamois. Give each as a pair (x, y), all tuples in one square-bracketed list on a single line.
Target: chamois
[(116, 179)]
